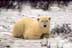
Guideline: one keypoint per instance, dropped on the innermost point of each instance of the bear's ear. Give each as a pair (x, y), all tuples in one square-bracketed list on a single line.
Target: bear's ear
[(49, 18), (38, 19)]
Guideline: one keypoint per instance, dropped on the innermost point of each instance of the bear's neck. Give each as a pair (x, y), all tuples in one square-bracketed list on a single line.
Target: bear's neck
[(44, 30)]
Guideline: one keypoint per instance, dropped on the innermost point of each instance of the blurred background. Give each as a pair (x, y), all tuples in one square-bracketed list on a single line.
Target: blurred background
[(43, 4)]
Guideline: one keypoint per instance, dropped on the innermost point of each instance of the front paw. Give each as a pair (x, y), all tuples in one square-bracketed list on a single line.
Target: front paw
[(44, 35)]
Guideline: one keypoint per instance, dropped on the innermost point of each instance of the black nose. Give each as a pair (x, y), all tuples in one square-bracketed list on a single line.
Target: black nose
[(45, 25)]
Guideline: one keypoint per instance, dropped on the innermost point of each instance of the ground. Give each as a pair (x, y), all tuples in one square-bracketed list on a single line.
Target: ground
[(6, 40)]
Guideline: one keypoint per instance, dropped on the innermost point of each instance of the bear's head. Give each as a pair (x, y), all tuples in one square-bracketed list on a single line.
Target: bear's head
[(44, 21), (44, 24)]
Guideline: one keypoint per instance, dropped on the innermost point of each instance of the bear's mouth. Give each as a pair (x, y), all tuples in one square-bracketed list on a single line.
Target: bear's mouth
[(45, 25)]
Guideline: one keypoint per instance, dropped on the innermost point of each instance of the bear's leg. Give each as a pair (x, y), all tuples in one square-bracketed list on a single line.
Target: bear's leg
[(17, 35), (28, 35), (44, 35), (18, 30)]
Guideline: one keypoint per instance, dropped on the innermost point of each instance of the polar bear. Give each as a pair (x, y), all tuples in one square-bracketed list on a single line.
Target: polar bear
[(29, 28)]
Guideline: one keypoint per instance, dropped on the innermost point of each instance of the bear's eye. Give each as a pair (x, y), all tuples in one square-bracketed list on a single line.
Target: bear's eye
[(49, 18), (38, 19), (42, 21), (46, 20)]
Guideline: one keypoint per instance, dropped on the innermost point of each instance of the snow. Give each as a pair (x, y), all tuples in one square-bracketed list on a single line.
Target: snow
[(8, 18), (7, 39)]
